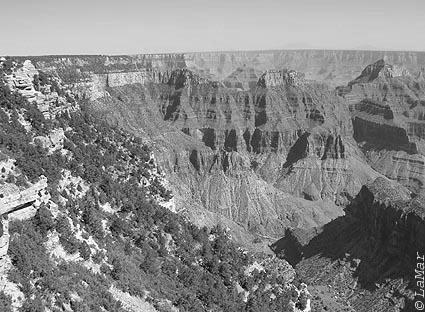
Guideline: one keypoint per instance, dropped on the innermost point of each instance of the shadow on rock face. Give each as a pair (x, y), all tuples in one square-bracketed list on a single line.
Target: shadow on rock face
[(377, 239), (298, 151)]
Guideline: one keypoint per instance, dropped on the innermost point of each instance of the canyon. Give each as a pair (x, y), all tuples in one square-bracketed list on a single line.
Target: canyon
[(315, 156), (242, 156)]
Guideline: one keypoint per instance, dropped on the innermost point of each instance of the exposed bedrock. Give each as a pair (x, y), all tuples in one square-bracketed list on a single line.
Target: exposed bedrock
[(394, 221), (407, 169), (367, 254), (387, 106), (244, 78), (303, 122), (227, 167), (239, 69), (279, 155), (380, 69), (273, 78), (382, 135), (223, 183), (334, 67), (329, 167)]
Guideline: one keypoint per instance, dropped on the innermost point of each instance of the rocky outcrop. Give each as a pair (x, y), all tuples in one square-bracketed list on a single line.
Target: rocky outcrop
[(53, 141), (98, 84), (50, 103), (5, 236), (21, 80), (12, 199), (301, 299), (380, 70), (7, 168), (382, 134), (273, 78), (362, 260), (243, 78), (387, 113), (19, 203)]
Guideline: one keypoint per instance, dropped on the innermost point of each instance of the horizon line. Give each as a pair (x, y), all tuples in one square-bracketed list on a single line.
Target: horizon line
[(215, 51)]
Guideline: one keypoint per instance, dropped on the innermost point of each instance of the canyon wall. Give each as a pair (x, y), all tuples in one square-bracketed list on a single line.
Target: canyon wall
[(276, 157), (281, 155), (362, 260), (387, 108), (239, 68), (334, 67), (243, 136), (391, 219)]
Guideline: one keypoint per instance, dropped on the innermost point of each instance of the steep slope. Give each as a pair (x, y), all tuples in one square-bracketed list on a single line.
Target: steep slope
[(387, 108), (100, 234), (278, 156), (244, 78), (278, 159), (365, 260)]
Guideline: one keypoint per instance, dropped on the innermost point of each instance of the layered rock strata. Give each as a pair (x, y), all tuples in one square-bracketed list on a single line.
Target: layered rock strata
[(333, 67), (387, 109), (278, 156)]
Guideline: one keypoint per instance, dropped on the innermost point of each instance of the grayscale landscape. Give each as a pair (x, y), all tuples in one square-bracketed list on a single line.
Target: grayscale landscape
[(252, 180)]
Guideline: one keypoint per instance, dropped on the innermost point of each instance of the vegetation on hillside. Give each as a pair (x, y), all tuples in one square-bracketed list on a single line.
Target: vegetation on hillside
[(136, 245)]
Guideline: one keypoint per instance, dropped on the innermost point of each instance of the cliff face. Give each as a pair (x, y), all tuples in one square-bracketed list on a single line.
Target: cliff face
[(280, 155), (220, 136), (391, 219), (334, 67), (105, 211), (380, 69), (209, 169), (100, 64), (366, 259), (386, 104)]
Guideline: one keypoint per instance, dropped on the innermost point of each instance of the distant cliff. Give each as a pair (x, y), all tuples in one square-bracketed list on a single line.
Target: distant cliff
[(387, 107), (336, 67)]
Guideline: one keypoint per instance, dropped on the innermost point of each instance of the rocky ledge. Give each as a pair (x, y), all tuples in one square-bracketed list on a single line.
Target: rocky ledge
[(273, 78)]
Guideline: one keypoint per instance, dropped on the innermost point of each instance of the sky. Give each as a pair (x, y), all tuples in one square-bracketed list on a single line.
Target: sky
[(44, 27)]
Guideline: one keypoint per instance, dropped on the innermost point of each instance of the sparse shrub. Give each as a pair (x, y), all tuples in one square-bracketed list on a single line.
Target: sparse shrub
[(43, 220), (62, 226), (69, 243), (92, 221), (84, 250), (117, 269), (97, 257), (206, 275), (5, 302), (33, 305)]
